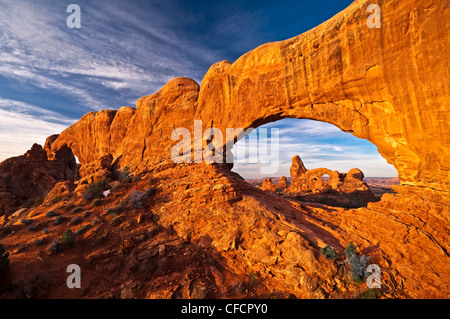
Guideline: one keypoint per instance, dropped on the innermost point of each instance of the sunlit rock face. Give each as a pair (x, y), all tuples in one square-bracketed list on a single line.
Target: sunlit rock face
[(387, 85), (382, 84)]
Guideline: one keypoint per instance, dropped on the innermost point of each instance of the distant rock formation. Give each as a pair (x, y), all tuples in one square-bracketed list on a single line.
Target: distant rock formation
[(312, 180), (268, 185), (282, 183), (297, 167)]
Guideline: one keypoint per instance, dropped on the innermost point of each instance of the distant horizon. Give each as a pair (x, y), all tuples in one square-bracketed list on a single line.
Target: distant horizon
[(288, 177)]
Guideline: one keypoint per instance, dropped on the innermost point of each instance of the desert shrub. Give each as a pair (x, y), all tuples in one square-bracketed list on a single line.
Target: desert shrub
[(26, 221), (54, 247), (125, 175), (117, 221), (4, 262), (20, 249), (358, 267), (33, 228), (96, 202), (104, 184), (253, 278), (67, 238), (370, 294), (118, 209), (45, 231), (328, 252), (39, 241), (350, 250), (82, 230), (136, 198), (93, 191), (51, 213), (55, 199), (100, 236), (77, 209), (37, 201), (75, 220), (59, 220)]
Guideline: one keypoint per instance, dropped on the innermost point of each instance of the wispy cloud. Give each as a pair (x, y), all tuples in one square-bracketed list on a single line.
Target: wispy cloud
[(319, 145), (22, 125)]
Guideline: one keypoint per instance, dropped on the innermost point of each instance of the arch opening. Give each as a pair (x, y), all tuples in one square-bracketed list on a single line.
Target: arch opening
[(333, 167)]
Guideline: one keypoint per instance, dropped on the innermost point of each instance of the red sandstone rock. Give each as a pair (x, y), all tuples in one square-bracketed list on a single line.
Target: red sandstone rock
[(282, 182), (32, 175), (268, 185), (385, 85)]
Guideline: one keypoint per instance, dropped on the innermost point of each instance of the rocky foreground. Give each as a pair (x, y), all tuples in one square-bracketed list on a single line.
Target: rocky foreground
[(201, 231), (167, 230)]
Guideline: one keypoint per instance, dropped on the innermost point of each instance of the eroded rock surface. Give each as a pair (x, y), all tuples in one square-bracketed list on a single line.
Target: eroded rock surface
[(385, 85), (29, 177)]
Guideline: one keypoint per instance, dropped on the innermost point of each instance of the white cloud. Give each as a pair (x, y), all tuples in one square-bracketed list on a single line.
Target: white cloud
[(18, 132), (23, 124), (316, 143)]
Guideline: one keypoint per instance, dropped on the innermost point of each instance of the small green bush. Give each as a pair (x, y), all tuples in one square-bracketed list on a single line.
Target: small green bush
[(37, 201), (39, 241), (56, 199), (67, 238), (59, 220), (370, 294), (358, 267), (350, 250), (26, 221), (75, 220), (136, 198), (93, 191), (77, 209), (328, 252), (33, 228), (51, 213), (54, 247), (96, 202), (100, 236), (125, 176), (104, 184)]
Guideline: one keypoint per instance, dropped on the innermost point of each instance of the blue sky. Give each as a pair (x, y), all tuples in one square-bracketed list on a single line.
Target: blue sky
[(51, 75)]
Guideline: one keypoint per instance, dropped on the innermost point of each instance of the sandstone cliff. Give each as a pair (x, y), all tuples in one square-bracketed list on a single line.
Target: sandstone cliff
[(386, 85)]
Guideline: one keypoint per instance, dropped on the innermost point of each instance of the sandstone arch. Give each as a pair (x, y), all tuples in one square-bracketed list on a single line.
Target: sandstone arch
[(369, 82), (384, 85)]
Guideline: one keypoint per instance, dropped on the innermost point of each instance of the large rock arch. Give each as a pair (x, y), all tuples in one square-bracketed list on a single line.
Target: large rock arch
[(385, 85)]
